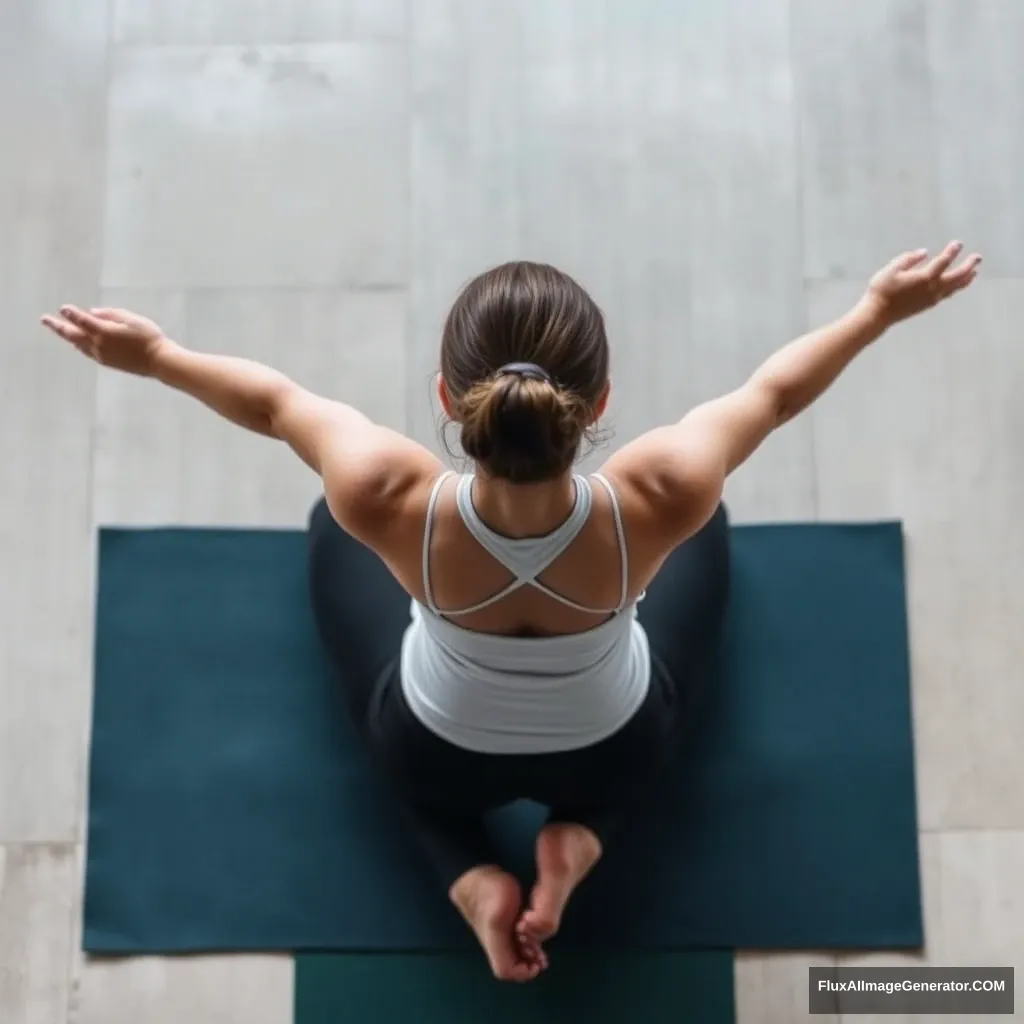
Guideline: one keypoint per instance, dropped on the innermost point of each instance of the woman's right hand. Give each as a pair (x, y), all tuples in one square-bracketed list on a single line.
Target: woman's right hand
[(112, 337), (911, 283)]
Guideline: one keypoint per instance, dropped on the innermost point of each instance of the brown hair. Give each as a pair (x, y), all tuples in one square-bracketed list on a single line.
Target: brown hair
[(521, 426)]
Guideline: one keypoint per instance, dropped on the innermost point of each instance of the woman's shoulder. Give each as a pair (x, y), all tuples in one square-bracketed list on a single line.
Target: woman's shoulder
[(390, 493), (665, 494)]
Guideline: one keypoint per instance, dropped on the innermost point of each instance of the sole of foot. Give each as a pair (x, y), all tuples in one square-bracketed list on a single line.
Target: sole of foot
[(491, 902), (566, 853)]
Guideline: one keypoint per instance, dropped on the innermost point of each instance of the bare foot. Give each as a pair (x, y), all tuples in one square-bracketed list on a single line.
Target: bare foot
[(566, 853), (490, 900)]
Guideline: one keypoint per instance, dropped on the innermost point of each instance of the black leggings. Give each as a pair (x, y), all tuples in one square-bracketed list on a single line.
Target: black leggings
[(362, 612)]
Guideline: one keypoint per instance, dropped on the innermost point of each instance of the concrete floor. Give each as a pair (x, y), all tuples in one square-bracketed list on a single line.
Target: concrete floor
[(308, 182)]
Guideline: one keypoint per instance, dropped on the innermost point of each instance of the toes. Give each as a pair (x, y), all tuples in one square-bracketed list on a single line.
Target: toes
[(518, 972), (531, 950), (539, 957)]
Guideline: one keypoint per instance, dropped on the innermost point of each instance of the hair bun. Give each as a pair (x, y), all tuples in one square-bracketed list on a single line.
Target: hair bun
[(521, 428)]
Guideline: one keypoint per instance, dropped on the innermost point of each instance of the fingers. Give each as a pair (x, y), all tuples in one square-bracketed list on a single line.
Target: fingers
[(944, 260), (69, 332), (64, 329), (85, 321), (61, 328), (84, 330), (908, 260), (961, 276), (938, 275), (936, 269)]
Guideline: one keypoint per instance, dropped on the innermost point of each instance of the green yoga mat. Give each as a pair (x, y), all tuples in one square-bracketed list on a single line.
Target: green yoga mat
[(454, 988), (231, 808)]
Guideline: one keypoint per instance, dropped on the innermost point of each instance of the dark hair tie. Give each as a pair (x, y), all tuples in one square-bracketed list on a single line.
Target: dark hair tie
[(530, 370)]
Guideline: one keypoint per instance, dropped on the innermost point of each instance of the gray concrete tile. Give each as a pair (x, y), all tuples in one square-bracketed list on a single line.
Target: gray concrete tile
[(868, 136), (39, 902), (238, 22), (975, 52), (979, 738), (268, 166), (46, 549), (203, 990), (52, 94)]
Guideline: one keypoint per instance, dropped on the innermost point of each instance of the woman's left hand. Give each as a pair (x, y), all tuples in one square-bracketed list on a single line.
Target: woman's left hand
[(911, 284), (112, 337)]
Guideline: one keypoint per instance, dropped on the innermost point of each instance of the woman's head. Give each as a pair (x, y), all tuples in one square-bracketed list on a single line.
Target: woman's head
[(519, 424)]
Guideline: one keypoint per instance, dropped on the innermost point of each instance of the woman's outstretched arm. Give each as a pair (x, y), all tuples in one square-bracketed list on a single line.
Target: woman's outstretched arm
[(361, 463), (684, 466)]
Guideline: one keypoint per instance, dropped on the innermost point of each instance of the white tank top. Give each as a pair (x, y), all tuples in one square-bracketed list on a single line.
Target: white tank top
[(524, 695)]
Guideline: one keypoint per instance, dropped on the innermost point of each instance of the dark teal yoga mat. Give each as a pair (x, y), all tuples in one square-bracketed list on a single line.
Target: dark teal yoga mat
[(231, 809), (455, 988)]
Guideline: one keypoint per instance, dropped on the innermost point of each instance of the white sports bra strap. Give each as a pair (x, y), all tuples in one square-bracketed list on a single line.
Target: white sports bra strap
[(428, 528), (620, 532)]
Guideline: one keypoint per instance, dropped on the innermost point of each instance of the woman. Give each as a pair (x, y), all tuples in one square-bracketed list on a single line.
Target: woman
[(529, 667)]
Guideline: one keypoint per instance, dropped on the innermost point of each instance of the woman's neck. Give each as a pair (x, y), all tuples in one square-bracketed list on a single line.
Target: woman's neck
[(523, 510)]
